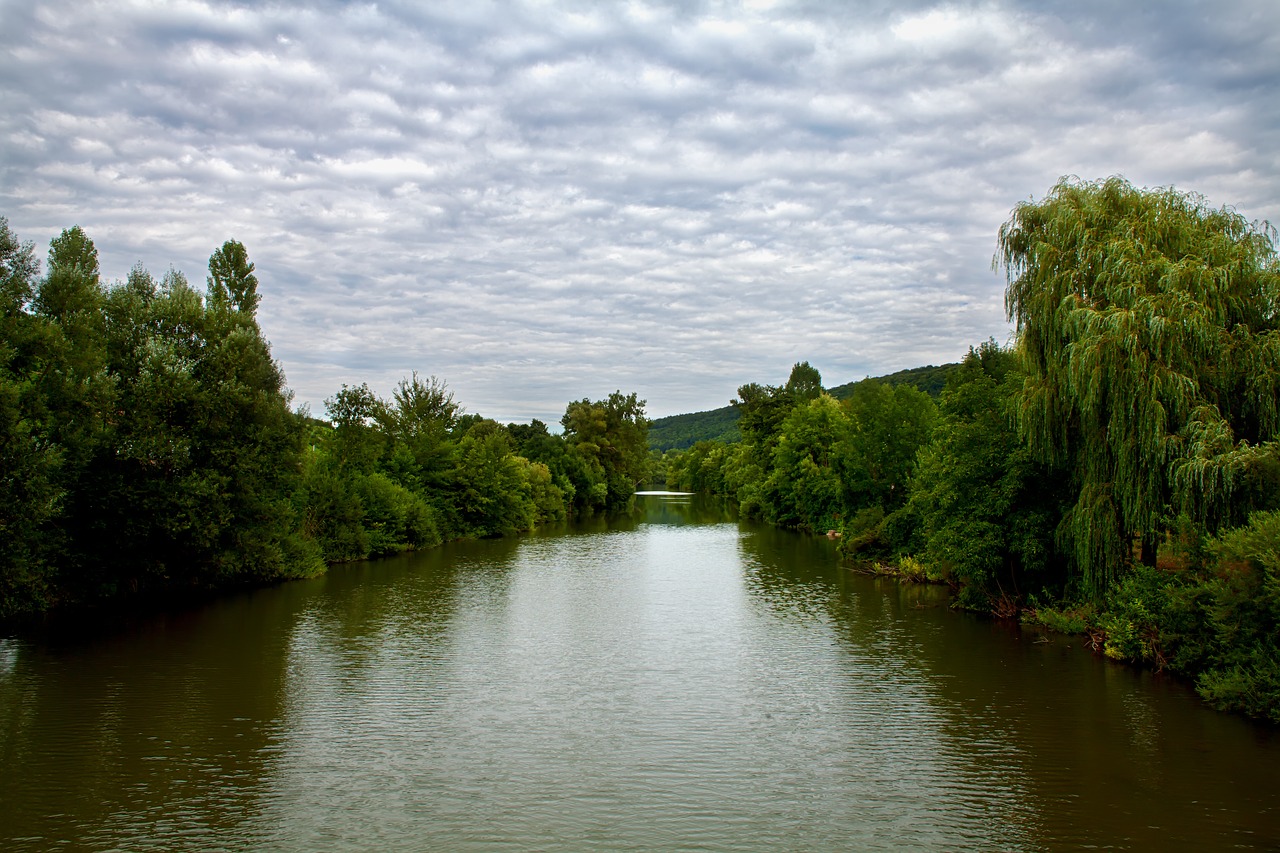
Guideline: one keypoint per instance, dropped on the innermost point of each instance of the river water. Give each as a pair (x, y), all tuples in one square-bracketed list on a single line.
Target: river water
[(672, 680)]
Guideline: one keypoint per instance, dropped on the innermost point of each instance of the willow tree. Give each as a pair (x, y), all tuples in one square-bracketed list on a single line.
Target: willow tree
[(1148, 325)]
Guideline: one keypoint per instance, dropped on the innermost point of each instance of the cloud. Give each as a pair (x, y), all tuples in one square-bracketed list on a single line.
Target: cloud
[(544, 201)]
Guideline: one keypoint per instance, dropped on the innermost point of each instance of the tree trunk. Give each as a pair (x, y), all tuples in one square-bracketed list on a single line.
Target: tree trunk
[(1150, 542)]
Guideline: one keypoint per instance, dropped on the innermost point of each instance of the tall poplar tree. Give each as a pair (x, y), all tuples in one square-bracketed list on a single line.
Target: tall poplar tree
[(1147, 322), (29, 460), (231, 279)]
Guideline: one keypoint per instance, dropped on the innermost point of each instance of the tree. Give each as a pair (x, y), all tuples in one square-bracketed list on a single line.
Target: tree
[(29, 462), (568, 470), (761, 411), (191, 486), (890, 424), (804, 488), (420, 418), (231, 280), (613, 437), (423, 408), (1147, 325), (804, 383), (495, 495), (357, 414), (18, 271), (983, 511), (71, 297), (72, 250), (71, 393)]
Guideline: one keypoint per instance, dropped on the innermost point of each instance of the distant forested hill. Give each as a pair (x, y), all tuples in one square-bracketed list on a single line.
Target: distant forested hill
[(929, 379), (680, 431)]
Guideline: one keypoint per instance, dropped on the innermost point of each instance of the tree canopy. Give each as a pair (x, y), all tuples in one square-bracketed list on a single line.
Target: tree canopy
[(1147, 323), (612, 435)]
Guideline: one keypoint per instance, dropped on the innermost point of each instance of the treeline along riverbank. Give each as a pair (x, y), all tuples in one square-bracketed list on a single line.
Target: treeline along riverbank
[(1114, 472), (680, 432), (149, 450)]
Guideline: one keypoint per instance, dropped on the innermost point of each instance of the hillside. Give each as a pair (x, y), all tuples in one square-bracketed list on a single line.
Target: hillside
[(681, 431), (929, 379), (677, 432)]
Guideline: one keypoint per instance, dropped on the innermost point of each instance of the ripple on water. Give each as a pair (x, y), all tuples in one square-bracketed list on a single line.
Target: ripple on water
[(663, 686)]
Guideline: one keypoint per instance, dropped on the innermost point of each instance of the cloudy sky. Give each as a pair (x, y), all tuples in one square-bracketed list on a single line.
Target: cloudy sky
[(544, 201)]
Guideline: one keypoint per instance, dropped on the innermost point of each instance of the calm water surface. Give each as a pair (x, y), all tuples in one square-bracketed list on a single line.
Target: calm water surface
[(668, 681)]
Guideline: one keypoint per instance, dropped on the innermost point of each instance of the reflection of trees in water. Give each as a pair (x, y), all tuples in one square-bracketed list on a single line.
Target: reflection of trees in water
[(1060, 746), (683, 509), (119, 741), (210, 725), (890, 636)]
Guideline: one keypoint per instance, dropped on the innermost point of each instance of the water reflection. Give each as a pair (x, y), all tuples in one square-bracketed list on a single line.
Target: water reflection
[(158, 738), (880, 699), (668, 679), (679, 508), (1048, 743)]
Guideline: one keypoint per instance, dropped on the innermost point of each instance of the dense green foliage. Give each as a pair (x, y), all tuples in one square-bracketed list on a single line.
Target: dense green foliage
[(1148, 327), (1216, 621), (982, 511), (1149, 335), (808, 461), (148, 445), (929, 379), (1115, 471), (147, 439), (680, 432), (391, 475), (611, 437)]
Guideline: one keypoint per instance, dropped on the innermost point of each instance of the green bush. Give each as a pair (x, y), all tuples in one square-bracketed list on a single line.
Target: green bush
[(1064, 620), (395, 519), (1135, 613), (1242, 604), (332, 516), (863, 535), (1252, 688), (1218, 625), (548, 497)]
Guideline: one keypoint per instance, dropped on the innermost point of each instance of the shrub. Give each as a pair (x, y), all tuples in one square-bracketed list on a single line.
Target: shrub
[(395, 519)]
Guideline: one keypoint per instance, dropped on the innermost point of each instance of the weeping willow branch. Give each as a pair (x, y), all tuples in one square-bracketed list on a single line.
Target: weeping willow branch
[(1147, 324)]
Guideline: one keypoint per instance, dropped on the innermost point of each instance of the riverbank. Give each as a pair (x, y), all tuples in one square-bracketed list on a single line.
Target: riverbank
[(1208, 628)]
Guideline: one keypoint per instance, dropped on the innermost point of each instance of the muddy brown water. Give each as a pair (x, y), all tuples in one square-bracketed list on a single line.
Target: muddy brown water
[(670, 680)]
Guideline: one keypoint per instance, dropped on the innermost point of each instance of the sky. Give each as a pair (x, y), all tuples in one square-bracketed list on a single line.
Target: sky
[(544, 201)]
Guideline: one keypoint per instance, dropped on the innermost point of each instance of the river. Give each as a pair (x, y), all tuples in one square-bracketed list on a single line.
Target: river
[(670, 680)]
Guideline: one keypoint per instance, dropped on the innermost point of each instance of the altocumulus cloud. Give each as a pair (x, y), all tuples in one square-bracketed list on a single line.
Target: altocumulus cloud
[(543, 201)]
